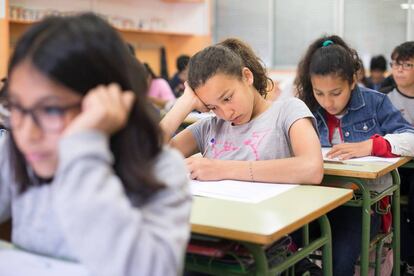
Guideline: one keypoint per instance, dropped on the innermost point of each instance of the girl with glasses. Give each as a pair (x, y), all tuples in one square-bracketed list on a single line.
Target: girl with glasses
[(84, 174)]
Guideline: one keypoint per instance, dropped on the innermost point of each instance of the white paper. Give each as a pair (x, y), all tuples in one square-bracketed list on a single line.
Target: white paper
[(195, 116), (2, 9), (360, 159), (20, 263), (250, 192)]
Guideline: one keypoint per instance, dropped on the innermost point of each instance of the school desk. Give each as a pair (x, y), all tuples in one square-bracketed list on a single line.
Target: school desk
[(358, 175), (255, 225)]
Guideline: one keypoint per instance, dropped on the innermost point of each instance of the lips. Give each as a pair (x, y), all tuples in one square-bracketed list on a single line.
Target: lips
[(237, 120), (36, 156)]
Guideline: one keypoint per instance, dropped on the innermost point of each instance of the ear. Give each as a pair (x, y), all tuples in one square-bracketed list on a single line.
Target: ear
[(247, 76)]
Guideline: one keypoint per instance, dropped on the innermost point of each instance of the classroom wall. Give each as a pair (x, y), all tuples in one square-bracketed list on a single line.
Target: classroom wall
[(182, 28), (147, 45), (4, 38)]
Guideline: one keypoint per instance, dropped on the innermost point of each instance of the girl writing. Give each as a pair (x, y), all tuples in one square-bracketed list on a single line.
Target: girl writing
[(250, 138)]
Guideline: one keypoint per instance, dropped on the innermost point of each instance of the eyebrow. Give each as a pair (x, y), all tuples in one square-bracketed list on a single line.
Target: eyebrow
[(333, 90)]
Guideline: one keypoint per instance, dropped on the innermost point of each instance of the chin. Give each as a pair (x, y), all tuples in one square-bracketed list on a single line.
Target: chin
[(44, 172)]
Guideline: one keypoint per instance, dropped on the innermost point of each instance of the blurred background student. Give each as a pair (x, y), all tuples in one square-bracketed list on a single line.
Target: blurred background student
[(177, 81), (377, 67), (159, 92)]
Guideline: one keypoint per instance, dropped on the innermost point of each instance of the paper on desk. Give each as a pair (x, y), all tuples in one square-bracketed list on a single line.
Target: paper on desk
[(361, 159), (19, 263), (195, 116), (250, 192)]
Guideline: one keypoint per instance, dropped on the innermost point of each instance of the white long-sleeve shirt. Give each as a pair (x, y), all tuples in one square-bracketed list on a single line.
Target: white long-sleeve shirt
[(84, 214)]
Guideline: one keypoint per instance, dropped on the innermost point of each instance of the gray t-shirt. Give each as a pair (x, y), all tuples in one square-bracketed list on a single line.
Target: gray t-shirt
[(265, 137), (403, 103)]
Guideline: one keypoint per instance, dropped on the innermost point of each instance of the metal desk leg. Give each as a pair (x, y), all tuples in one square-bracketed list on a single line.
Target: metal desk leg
[(366, 225), (327, 247), (259, 256)]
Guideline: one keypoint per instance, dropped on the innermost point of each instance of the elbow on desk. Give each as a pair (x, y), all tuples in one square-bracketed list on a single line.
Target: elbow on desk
[(315, 173)]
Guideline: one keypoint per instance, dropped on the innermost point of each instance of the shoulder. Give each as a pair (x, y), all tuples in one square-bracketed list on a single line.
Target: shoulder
[(4, 145), (160, 82), (372, 96), (367, 92), (5, 166), (292, 106)]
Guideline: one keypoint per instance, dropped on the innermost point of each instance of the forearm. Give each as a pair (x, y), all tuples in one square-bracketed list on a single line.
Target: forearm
[(173, 119), (160, 103), (401, 143), (297, 170)]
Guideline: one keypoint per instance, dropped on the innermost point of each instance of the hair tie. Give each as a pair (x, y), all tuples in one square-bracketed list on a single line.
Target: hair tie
[(327, 43)]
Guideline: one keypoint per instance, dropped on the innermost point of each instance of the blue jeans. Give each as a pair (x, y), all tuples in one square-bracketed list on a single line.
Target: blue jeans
[(346, 226), (407, 215)]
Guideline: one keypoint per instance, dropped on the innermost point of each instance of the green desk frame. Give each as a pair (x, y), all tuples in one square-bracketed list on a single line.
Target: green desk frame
[(261, 261), (365, 201)]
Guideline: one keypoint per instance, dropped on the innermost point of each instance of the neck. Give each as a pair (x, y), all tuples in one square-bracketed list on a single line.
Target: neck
[(408, 91), (260, 105)]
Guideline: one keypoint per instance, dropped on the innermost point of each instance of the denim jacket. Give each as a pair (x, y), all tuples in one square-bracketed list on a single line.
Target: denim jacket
[(368, 112)]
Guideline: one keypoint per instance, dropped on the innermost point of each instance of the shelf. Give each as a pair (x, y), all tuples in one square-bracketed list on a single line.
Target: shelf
[(126, 30)]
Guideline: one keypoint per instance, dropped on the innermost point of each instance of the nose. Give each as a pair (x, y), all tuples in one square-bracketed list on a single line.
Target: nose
[(228, 114), (328, 103)]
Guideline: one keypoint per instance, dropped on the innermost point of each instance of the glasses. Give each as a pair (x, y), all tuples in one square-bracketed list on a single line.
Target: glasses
[(404, 66), (50, 118)]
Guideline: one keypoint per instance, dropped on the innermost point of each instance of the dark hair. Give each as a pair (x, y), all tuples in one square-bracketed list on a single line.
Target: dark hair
[(182, 62), (325, 58), (403, 52), (131, 48), (378, 63), (228, 57), (82, 52), (149, 70)]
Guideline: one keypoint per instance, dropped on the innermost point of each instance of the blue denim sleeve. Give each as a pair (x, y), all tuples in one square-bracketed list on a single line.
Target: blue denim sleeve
[(391, 119)]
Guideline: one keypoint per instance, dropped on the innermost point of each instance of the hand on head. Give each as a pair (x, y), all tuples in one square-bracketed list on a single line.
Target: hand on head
[(104, 108), (197, 104)]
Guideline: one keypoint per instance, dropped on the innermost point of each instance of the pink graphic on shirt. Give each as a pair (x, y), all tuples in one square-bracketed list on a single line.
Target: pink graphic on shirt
[(221, 148), (225, 148), (254, 142)]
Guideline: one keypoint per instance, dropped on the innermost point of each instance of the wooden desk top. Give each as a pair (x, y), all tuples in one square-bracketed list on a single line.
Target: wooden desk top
[(368, 170), (269, 220)]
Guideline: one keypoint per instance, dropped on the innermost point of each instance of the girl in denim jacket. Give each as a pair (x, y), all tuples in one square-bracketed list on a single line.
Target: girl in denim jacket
[(355, 122)]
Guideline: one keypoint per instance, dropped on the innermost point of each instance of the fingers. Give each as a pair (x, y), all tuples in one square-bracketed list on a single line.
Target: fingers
[(128, 99)]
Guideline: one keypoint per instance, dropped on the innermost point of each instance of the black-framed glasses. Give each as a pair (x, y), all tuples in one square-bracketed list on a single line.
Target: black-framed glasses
[(50, 118), (404, 65)]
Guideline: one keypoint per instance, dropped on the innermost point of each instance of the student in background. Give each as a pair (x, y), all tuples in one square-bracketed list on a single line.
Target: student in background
[(159, 92), (181, 76), (377, 68), (356, 122), (249, 139), (402, 65), (402, 97), (84, 174)]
